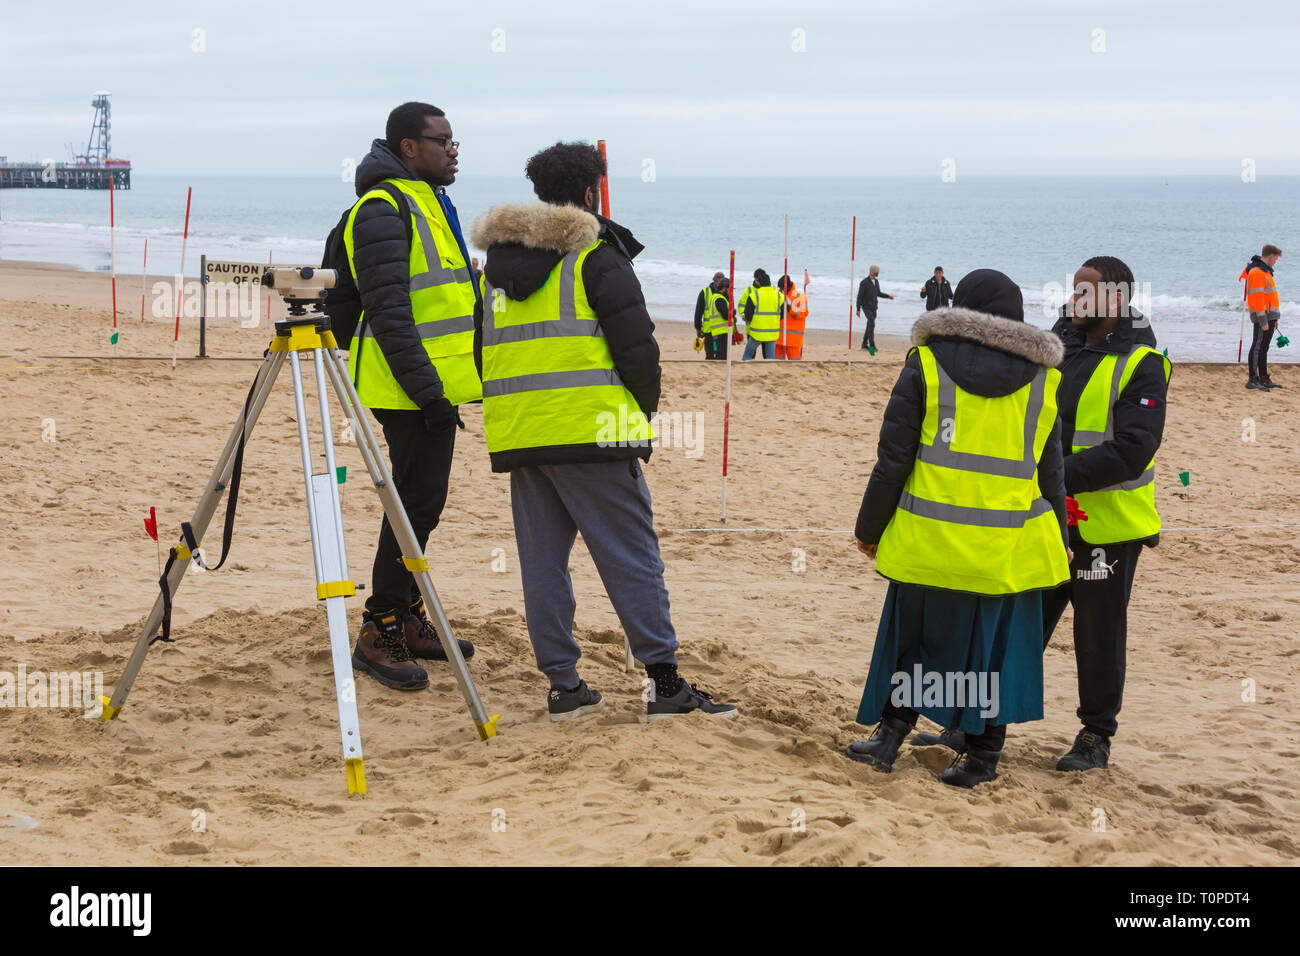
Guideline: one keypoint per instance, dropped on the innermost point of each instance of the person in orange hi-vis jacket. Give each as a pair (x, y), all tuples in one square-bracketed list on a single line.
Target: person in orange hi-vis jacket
[(789, 345), (1265, 309)]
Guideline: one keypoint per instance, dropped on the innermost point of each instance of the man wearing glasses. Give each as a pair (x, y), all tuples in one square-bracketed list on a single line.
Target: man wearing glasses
[(412, 362)]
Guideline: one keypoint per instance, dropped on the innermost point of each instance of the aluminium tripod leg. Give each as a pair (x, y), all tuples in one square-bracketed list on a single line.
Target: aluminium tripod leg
[(207, 506), (333, 585), (412, 555)]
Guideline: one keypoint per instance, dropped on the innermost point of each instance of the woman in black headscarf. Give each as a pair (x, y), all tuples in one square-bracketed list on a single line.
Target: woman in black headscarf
[(965, 515)]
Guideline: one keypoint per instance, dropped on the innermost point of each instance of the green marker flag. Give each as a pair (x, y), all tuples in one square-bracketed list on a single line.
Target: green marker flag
[(112, 339), (1166, 353), (871, 350), (1282, 341), (342, 471), (1185, 477)]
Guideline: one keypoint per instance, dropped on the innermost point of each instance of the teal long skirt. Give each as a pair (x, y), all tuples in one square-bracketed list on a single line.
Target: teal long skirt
[(958, 637)]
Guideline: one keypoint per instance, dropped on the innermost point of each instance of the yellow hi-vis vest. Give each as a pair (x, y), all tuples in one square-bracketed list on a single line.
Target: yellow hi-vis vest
[(765, 326), (971, 517), (442, 302), (548, 375), (714, 320), (1126, 511)]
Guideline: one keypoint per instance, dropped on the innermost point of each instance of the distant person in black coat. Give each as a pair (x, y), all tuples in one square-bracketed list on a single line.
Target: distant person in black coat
[(936, 292), (868, 295)]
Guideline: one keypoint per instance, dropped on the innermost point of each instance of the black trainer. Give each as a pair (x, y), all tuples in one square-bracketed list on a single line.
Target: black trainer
[(1253, 383), (688, 699), (568, 704), (1269, 383), (1090, 752), (952, 739)]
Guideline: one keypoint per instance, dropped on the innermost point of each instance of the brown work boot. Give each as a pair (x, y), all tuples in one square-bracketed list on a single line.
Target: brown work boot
[(382, 653), (422, 638)]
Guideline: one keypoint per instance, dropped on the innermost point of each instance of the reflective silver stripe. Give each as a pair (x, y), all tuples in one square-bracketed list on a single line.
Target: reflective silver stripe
[(1092, 439), (567, 325), (980, 517), (1143, 479), (433, 329), (793, 332), (436, 273), (536, 381), (940, 453), (1259, 288)]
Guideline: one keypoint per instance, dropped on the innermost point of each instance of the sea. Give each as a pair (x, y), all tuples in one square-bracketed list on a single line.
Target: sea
[(1185, 238)]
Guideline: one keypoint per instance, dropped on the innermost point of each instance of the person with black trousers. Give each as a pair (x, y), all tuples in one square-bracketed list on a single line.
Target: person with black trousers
[(936, 292), (715, 342), (421, 441), (869, 295)]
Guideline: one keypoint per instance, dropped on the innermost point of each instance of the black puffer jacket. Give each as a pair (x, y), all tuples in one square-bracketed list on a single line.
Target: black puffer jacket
[(524, 241), (382, 256), (984, 355), (1139, 411)]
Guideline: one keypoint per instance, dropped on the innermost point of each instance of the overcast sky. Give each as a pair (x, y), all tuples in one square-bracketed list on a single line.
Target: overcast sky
[(700, 88)]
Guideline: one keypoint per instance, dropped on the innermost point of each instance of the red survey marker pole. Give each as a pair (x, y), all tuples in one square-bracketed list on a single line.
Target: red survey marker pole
[(785, 271), (853, 254), (629, 662), (604, 180), (180, 286), (726, 406)]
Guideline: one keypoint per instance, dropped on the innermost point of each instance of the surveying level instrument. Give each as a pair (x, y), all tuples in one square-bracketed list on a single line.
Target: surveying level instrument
[(307, 332)]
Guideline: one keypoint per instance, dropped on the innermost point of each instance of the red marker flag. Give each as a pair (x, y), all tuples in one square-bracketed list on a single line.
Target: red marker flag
[(151, 523), (806, 280), (1073, 513)]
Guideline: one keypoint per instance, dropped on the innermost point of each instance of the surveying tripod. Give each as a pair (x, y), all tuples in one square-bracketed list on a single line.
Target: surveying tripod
[(292, 337)]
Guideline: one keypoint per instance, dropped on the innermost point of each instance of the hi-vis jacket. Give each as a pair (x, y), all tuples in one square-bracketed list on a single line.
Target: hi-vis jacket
[(569, 363), (796, 317), (441, 290), (764, 319), (968, 490), (714, 321), (1261, 292), (1113, 396)]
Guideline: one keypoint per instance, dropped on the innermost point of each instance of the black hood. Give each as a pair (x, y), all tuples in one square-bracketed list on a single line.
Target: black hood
[(380, 163), (986, 354), (1257, 263)]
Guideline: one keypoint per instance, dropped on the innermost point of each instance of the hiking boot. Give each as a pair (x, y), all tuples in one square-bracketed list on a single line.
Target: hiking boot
[(688, 699), (952, 739), (973, 767), (382, 653), (1090, 752), (1254, 383), (422, 639), (880, 749), (568, 704), (1269, 383)]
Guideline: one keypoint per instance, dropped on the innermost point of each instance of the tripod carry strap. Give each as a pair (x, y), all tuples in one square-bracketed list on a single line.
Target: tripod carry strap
[(191, 545)]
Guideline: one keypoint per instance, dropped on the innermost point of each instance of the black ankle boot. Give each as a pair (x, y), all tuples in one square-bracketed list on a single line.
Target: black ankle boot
[(881, 748), (952, 739), (973, 767)]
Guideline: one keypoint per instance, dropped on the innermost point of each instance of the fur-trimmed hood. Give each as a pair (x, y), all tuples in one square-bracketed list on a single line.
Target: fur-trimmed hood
[(1005, 335), (536, 225)]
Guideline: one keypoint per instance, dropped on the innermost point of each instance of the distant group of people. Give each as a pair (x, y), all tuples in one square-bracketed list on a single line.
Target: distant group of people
[(775, 318)]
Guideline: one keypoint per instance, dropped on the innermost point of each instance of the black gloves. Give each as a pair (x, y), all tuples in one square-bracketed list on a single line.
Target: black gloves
[(440, 416)]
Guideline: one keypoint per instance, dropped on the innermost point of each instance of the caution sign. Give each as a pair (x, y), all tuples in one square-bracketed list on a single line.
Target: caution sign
[(232, 290)]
